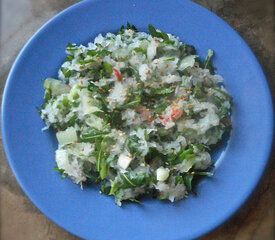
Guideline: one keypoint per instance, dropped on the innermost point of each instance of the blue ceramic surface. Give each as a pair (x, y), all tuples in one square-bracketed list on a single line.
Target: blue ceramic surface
[(239, 162)]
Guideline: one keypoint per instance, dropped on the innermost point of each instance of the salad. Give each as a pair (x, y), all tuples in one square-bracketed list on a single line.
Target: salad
[(137, 113)]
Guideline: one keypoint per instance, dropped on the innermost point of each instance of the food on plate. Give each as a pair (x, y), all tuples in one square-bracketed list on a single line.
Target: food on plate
[(136, 113)]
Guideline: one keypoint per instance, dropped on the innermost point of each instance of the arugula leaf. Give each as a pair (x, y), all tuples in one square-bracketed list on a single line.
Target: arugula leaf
[(133, 103), (206, 64), (202, 146), (132, 27), (140, 49), (71, 47), (47, 94), (187, 178), (111, 159), (108, 67), (61, 171), (66, 72), (98, 159), (81, 55), (127, 180), (100, 96), (222, 92), (179, 180), (85, 61), (88, 173), (157, 33), (152, 153), (169, 42), (133, 145), (105, 187), (93, 88), (38, 110), (101, 156), (130, 71), (93, 134), (203, 173), (121, 30), (159, 107), (187, 50), (195, 90), (69, 58), (161, 91), (128, 26), (71, 121), (113, 187), (169, 59), (134, 200), (95, 53), (104, 169), (138, 180), (186, 154), (65, 101)]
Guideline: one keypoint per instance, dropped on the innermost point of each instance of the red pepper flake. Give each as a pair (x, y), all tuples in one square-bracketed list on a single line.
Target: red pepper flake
[(117, 74), (176, 113), (149, 119)]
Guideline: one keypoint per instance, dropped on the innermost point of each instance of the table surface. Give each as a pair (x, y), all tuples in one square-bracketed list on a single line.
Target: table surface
[(253, 19)]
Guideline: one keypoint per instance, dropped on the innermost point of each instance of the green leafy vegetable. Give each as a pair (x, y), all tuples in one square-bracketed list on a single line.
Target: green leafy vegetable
[(132, 27), (195, 89), (108, 67), (158, 33), (203, 173), (95, 53), (69, 58), (66, 72), (207, 62), (62, 171), (187, 154), (179, 180), (187, 178), (133, 103), (161, 91), (121, 30), (85, 61), (140, 49), (113, 187), (187, 50), (169, 59), (71, 47), (222, 92), (92, 134), (159, 107)]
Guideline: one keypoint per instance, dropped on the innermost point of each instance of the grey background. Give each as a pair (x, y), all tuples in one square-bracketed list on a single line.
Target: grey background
[(20, 219)]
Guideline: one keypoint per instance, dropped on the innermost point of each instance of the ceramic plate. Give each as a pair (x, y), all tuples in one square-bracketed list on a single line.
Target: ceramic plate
[(239, 162)]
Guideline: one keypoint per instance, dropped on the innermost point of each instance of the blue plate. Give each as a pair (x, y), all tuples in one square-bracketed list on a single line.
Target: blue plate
[(239, 163)]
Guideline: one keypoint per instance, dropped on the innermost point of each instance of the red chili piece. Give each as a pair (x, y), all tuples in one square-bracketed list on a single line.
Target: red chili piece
[(149, 119), (117, 74)]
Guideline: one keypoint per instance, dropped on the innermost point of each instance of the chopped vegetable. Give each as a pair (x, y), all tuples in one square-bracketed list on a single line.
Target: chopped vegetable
[(162, 174), (124, 160), (66, 137)]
